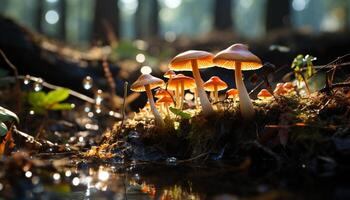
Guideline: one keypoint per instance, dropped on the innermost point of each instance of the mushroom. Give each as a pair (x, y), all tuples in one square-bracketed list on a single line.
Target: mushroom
[(215, 84), (239, 58), (280, 90), (169, 74), (181, 83), (288, 86), (166, 101), (160, 92), (232, 94), (193, 61), (145, 83), (264, 95)]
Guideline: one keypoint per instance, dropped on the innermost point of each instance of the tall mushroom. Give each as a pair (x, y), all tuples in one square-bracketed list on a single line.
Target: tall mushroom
[(181, 83), (193, 61), (239, 58), (145, 83), (215, 84)]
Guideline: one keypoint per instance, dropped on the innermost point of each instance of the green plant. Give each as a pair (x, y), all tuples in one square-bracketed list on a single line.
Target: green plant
[(180, 113), (6, 116), (42, 102), (301, 62)]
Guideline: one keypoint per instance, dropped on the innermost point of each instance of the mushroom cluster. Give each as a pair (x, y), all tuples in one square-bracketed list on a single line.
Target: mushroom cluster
[(236, 57)]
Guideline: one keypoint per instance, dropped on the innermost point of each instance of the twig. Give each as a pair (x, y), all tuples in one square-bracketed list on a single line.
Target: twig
[(124, 101), (29, 137), (15, 71), (53, 87)]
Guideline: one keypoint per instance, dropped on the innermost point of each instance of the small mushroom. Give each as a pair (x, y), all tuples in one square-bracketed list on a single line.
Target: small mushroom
[(232, 94), (239, 58), (279, 90), (193, 61), (215, 84), (181, 83), (166, 101), (160, 92), (169, 74), (264, 95), (145, 83), (288, 86)]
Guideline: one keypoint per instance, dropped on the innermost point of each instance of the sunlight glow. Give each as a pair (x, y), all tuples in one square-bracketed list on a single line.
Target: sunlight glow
[(52, 17), (146, 70), (172, 4)]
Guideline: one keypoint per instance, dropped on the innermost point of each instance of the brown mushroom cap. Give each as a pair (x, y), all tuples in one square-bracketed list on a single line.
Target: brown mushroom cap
[(146, 79), (237, 53), (182, 62), (232, 93), (264, 94), (189, 82), (169, 73), (214, 81)]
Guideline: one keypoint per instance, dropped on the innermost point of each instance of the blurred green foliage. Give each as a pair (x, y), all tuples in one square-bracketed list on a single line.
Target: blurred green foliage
[(42, 102)]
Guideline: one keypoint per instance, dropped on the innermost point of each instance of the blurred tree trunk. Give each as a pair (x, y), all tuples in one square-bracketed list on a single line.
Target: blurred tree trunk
[(146, 19), (222, 15), (277, 14), (106, 21), (39, 16), (3, 6), (62, 22)]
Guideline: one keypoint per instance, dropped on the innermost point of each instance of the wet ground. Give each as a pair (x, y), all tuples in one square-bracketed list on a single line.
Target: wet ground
[(63, 176)]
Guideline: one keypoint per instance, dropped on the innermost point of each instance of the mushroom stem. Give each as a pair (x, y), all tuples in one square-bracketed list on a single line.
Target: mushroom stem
[(177, 95), (182, 94), (206, 106), (246, 106), (216, 93), (157, 118), (167, 109)]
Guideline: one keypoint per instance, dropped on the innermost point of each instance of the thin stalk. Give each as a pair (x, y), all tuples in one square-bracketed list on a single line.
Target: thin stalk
[(206, 106), (245, 103), (157, 118)]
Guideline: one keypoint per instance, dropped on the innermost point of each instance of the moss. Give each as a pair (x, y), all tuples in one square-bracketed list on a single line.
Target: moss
[(307, 122)]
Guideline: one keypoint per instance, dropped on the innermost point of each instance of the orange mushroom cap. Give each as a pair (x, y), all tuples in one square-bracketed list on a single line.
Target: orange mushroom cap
[(169, 73), (146, 79), (182, 62), (288, 86), (278, 85), (264, 94), (165, 99), (279, 90), (232, 93), (237, 53), (214, 81), (189, 82), (160, 92)]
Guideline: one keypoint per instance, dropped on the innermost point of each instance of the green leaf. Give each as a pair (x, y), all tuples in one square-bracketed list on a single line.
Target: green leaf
[(56, 96), (180, 113), (61, 106), (7, 115), (3, 129), (36, 99)]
